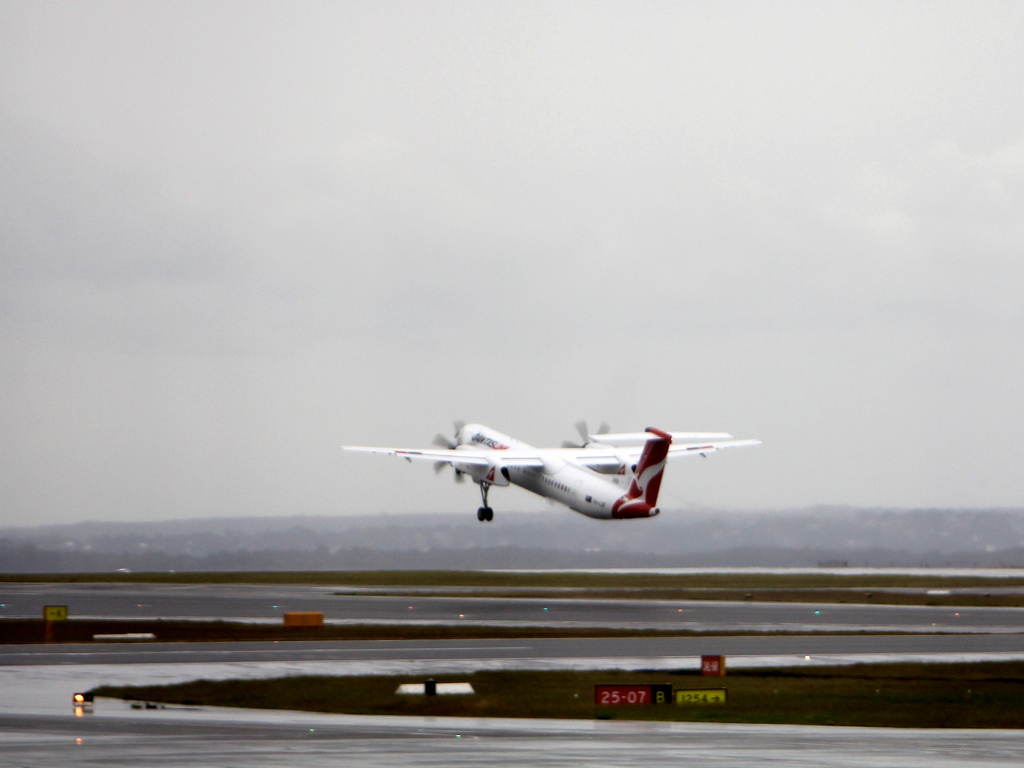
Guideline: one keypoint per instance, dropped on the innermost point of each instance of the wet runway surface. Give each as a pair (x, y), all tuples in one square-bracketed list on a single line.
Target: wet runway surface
[(515, 653), (219, 738), (38, 726), (267, 603)]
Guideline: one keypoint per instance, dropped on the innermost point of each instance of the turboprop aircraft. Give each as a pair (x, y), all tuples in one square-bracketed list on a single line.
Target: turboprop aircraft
[(607, 476)]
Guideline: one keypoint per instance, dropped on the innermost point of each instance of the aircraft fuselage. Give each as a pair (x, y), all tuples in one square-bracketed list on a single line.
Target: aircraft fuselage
[(581, 489)]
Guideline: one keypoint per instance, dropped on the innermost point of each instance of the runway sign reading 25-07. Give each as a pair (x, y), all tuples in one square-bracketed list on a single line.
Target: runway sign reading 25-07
[(631, 695)]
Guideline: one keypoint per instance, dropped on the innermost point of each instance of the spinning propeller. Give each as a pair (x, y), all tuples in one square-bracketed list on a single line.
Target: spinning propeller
[(444, 442), (581, 427)]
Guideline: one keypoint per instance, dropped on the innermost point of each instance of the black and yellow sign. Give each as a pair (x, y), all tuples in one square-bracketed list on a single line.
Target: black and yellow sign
[(700, 696), (661, 694), (55, 613)]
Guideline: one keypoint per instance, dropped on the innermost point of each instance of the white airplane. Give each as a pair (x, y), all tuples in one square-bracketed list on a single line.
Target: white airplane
[(589, 478)]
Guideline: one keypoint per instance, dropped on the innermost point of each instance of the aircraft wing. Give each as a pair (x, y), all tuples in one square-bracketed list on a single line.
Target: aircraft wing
[(627, 438), (613, 457), (595, 457), (510, 458), (598, 458)]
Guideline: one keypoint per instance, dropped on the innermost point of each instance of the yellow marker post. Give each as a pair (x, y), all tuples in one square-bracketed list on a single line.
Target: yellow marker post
[(52, 613), (55, 613)]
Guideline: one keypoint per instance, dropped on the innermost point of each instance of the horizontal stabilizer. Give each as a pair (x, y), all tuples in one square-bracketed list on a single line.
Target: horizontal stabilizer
[(705, 448)]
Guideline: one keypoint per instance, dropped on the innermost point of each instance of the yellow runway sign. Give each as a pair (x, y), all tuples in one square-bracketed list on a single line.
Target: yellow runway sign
[(700, 696), (55, 613)]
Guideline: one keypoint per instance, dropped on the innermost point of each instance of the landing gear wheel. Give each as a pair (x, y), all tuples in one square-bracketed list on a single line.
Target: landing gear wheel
[(484, 513)]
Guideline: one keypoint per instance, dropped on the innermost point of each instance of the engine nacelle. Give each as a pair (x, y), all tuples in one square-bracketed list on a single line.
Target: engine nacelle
[(621, 469), (494, 472)]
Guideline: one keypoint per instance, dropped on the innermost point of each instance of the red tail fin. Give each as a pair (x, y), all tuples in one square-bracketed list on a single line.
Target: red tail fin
[(642, 497)]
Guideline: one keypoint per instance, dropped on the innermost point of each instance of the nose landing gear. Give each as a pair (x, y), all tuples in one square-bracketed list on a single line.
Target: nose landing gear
[(484, 514)]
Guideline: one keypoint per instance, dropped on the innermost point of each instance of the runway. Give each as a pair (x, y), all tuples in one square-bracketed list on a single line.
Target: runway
[(674, 652), (222, 738), (267, 603), (38, 726)]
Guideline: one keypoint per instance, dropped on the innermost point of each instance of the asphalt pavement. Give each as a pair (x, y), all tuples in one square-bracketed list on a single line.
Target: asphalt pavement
[(39, 727), (267, 603), (523, 652), (217, 738)]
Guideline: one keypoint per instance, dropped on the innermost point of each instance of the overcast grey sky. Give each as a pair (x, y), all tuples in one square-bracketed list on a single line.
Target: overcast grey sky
[(236, 236)]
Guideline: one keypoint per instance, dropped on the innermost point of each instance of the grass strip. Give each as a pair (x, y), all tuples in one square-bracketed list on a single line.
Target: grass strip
[(981, 695)]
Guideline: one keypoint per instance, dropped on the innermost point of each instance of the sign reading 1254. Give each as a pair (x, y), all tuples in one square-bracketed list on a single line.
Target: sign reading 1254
[(631, 695)]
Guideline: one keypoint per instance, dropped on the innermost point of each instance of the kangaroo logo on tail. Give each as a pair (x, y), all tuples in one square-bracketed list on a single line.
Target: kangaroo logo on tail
[(642, 497)]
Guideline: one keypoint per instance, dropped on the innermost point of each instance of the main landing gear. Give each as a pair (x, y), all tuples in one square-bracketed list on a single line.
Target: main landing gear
[(484, 514)]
